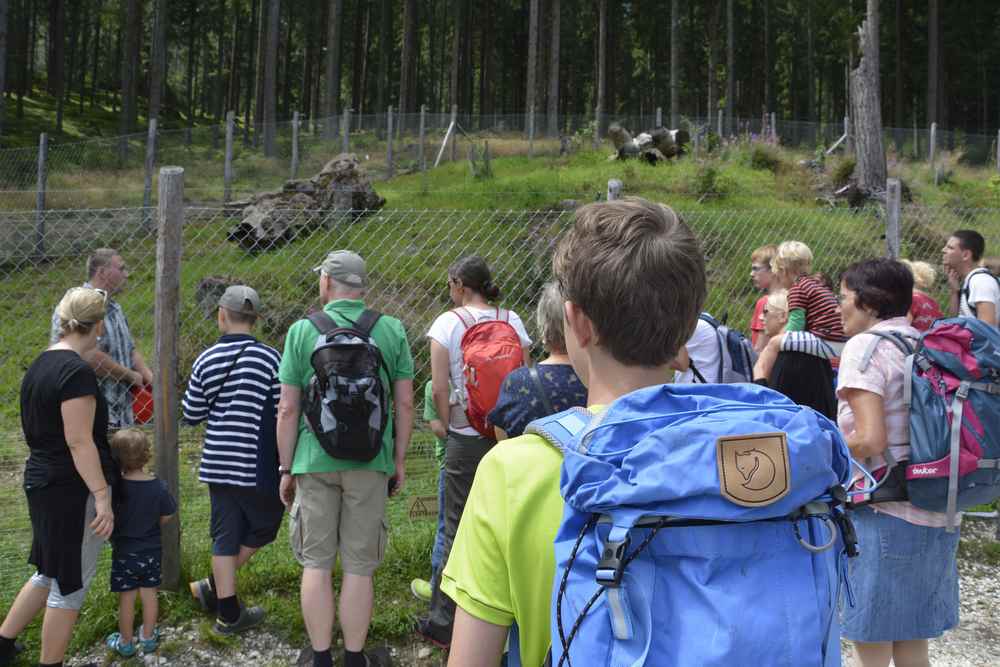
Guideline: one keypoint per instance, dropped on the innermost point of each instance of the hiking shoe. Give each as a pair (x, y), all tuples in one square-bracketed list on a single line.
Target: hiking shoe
[(149, 645), (115, 643), (201, 591), (12, 656), (249, 617), (440, 637), (421, 589)]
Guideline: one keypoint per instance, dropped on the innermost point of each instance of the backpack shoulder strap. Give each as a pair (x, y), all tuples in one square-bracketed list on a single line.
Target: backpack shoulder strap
[(562, 428), (323, 322), (367, 322), (537, 380), (967, 285), (893, 337), (503, 314), (464, 317)]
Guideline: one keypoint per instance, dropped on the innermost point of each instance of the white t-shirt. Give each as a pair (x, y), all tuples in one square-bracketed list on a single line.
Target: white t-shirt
[(981, 287), (703, 350), (447, 330)]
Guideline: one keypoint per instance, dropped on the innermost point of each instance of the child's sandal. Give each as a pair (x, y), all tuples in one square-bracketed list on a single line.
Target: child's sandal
[(149, 645), (114, 642)]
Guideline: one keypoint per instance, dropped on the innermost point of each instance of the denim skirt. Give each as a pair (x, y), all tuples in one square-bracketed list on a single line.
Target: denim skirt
[(904, 582)]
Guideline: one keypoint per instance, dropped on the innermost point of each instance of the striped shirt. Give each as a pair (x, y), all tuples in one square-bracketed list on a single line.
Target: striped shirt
[(241, 413), (820, 306)]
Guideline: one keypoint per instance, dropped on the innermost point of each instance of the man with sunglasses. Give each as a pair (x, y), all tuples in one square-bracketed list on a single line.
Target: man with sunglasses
[(118, 363)]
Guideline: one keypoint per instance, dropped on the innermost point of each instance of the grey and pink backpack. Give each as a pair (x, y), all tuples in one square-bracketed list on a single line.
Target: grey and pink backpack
[(952, 392)]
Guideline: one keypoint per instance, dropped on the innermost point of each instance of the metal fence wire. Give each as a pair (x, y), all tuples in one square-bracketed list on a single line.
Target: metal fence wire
[(408, 253)]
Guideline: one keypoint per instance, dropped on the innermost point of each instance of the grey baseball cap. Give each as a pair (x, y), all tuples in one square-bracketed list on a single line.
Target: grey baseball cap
[(345, 267), (241, 299)]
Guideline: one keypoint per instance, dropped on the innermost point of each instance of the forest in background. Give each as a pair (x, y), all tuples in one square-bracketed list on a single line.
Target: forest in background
[(187, 62)]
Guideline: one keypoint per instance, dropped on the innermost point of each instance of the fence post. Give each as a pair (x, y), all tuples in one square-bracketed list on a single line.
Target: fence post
[(388, 143), (345, 131), (147, 190), (659, 117), (422, 156), (454, 142), (43, 157), (227, 174), (614, 189), (531, 131), (774, 127), (893, 199), (166, 317), (720, 124), (933, 152), (597, 128), (295, 145)]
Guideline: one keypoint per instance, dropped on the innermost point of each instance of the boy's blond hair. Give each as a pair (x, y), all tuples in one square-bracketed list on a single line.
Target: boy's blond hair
[(778, 301), (924, 274), (636, 270), (132, 449), (794, 258), (764, 255)]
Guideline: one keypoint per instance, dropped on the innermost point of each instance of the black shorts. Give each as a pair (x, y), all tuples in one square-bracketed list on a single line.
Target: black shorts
[(243, 516), (132, 571)]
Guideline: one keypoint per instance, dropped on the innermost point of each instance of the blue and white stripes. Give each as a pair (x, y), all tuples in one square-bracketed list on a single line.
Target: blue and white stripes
[(240, 413)]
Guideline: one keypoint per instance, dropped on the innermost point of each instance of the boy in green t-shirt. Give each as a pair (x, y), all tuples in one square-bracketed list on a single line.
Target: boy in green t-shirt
[(421, 588), (633, 278)]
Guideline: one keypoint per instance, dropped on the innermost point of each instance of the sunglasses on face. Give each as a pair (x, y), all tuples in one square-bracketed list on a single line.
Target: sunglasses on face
[(754, 268)]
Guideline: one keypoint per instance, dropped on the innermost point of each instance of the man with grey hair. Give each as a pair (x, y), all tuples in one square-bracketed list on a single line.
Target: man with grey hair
[(118, 363), (338, 505)]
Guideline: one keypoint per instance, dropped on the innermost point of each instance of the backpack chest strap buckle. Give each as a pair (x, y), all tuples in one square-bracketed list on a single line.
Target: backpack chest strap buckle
[(611, 567)]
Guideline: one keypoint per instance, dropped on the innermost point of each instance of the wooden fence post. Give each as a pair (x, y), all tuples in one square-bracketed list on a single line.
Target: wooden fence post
[(388, 143), (893, 204), (295, 145), (422, 156), (933, 152), (774, 127), (454, 141), (43, 157), (147, 190), (227, 173), (614, 189), (167, 321), (345, 131), (720, 124), (597, 128), (531, 131), (659, 118)]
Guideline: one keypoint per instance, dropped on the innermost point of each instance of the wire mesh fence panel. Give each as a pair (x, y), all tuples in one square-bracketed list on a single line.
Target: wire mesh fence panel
[(408, 254)]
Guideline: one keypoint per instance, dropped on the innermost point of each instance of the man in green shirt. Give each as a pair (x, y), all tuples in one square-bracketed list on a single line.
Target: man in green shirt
[(338, 506)]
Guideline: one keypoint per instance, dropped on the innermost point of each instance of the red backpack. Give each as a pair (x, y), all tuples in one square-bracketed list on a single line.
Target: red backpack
[(491, 349)]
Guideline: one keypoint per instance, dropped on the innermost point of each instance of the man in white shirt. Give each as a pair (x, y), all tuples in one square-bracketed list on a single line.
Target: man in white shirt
[(702, 352), (975, 292)]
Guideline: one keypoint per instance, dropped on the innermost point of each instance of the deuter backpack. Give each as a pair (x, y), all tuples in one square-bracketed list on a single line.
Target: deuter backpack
[(703, 525), (736, 354), (491, 349), (953, 393), (346, 404)]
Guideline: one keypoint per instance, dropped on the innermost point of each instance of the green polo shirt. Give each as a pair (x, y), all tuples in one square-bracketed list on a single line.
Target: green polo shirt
[(295, 370)]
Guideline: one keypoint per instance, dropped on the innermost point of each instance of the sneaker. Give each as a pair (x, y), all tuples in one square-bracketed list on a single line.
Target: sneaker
[(421, 589), (149, 645), (9, 659), (201, 591), (249, 617), (440, 637), (115, 643)]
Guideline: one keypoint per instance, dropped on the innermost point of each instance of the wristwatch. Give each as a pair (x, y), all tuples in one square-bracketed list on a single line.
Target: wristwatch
[(284, 471)]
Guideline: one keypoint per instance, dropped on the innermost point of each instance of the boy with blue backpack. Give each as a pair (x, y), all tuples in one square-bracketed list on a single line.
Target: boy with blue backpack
[(594, 480)]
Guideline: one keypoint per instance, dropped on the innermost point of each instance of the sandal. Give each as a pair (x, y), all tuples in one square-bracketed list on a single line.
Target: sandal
[(149, 645), (114, 642)]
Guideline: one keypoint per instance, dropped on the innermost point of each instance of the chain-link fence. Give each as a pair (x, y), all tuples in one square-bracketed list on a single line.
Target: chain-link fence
[(408, 252)]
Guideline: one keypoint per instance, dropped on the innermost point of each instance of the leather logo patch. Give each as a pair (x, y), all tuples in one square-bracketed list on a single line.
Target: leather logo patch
[(753, 469)]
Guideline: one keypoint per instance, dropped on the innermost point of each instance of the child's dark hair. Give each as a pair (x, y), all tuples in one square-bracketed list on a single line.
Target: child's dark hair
[(132, 449), (475, 274)]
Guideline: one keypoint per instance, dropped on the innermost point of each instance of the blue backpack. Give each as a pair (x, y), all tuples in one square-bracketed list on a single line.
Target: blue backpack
[(736, 354), (703, 525)]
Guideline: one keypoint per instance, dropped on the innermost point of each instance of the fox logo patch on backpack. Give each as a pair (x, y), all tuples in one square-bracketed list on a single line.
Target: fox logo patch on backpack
[(346, 404), (491, 349)]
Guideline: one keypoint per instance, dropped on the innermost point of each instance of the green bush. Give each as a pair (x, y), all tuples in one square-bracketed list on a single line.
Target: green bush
[(842, 171), (706, 182), (765, 157)]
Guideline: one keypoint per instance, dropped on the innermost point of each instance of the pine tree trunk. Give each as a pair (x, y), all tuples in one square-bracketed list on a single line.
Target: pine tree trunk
[(456, 53), (866, 108), (385, 48), (130, 65), (408, 62), (158, 63), (57, 38), (250, 71), (270, 76), (258, 105), (900, 105), (675, 84), (730, 66), (95, 73), (933, 61), (554, 47), (810, 65), (531, 86), (3, 61), (767, 57), (334, 40), (602, 57), (84, 51)]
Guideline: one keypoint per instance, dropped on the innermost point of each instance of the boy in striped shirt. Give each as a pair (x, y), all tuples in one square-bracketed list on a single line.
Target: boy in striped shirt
[(234, 388)]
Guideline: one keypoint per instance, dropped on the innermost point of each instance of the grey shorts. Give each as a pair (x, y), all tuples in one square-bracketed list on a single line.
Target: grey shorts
[(90, 552), (340, 513)]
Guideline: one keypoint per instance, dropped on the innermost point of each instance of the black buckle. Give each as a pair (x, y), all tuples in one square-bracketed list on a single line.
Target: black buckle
[(847, 533), (611, 567)]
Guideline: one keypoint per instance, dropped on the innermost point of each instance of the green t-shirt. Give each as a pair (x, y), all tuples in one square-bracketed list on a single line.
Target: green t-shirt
[(295, 370), (430, 414), (503, 560)]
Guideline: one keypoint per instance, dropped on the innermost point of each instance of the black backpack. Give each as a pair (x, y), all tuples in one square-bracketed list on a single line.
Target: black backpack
[(346, 403)]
